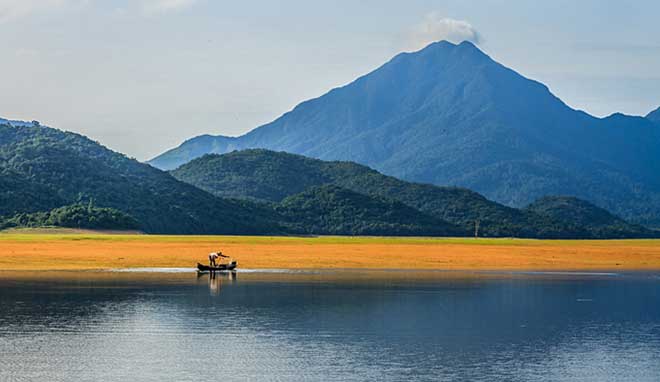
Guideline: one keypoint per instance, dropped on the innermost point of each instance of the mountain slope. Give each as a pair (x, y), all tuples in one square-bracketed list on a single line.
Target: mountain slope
[(272, 176), (332, 210), (654, 116), (18, 194), (597, 221), (450, 115), (59, 168), (75, 216)]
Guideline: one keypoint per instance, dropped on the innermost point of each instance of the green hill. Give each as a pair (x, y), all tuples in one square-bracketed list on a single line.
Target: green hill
[(597, 221), (18, 194), (75, 216), (272, 176), (333, 210), (50, 174), (55, 168)]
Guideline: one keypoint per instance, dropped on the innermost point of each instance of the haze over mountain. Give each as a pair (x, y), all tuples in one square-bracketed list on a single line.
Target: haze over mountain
[(280, 177), (450, 115)]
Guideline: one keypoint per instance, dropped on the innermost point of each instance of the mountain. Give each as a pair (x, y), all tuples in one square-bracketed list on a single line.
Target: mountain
[(273, 176), (599, 222), (451, 115), (332, 210), (654, 116), (45, 168), (194, 148)]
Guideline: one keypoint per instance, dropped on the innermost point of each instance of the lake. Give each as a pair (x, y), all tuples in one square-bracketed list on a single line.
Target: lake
[(329, 325)]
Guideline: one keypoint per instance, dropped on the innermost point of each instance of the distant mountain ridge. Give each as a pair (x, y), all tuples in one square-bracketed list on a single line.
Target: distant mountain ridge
[(450, 115), (276, 177)]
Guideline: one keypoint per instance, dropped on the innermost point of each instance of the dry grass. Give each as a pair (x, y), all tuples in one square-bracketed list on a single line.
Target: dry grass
[(87, 250)]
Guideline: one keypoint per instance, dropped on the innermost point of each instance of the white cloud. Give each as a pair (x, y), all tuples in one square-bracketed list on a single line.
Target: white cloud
[(435, 28), (12, 9), (27, 53), (15, 9), (162, 6)]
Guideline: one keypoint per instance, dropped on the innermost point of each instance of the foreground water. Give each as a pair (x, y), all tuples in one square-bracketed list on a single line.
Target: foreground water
[(330, 326)]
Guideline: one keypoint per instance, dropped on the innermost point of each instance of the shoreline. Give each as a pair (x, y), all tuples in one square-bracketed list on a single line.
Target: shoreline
[(91, 251)]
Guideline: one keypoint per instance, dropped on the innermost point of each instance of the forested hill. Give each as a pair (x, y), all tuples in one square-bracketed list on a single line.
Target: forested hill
[(597, 221), (273, 176), (49, 174), (332, 210), (45, 168), (74, 216)]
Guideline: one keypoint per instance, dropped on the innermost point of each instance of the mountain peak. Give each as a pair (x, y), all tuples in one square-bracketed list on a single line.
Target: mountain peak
[(449, 47)]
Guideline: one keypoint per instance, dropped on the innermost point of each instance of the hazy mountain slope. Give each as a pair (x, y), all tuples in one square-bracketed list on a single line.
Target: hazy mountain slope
[(599, 222), (333, 210), (654, 115), (68, 167), (272, 176), (193, 148), (450, 115)]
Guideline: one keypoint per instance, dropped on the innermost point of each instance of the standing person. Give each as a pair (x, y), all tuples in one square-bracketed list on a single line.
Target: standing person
[(214, 256)]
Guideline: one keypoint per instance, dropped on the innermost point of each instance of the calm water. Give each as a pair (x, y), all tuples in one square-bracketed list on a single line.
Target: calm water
[(327, 326)]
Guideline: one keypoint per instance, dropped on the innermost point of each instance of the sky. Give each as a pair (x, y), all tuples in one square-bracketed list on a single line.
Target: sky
[(142, 76)]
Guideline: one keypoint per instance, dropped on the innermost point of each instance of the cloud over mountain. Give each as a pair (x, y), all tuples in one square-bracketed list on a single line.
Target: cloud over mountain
[(161, 6), (436, 28)]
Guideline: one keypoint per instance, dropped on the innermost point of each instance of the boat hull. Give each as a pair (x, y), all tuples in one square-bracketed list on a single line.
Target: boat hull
[(220, 268)]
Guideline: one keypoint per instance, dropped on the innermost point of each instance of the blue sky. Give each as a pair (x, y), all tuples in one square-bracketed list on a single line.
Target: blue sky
[(143, 75)]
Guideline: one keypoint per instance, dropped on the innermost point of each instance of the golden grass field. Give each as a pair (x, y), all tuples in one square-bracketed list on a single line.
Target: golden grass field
[(81, 250)]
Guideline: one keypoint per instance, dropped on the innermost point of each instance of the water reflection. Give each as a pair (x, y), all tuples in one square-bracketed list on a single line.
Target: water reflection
[(319, 327), (215, 280)]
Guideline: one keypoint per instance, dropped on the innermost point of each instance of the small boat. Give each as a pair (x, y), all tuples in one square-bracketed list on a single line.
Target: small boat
[(219, 268)]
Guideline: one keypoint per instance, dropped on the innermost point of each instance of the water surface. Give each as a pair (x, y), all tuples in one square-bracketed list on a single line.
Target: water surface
[(319, 326)]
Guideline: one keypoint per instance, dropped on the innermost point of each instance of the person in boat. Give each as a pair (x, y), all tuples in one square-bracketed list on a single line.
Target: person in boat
[(213, 258)]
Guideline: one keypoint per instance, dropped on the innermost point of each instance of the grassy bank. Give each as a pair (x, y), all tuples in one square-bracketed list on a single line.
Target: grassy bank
[(72, 250)]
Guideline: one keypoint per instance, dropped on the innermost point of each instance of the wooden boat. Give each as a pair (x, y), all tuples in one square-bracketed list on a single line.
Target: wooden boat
[(220, 268)]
